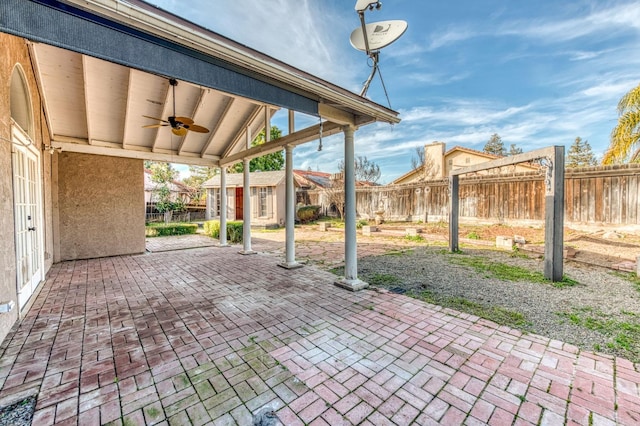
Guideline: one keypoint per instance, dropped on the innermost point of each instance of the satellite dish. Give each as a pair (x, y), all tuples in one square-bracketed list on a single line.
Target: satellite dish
[(379, 34)]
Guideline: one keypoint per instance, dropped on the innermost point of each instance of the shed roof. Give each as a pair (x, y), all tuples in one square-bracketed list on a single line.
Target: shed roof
[(271, 178)]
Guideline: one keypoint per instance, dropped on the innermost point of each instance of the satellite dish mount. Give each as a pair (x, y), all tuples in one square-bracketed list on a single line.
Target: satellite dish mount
[(370, 38)]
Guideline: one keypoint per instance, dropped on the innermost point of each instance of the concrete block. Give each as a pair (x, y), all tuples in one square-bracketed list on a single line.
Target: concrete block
[(412, 232), (324, 226), (367, 230), (505, 243), (638, 266), (569, 252), (519, 239)]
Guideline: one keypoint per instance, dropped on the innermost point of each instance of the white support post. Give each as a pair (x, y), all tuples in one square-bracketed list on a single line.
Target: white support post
[(207, 211), (223, 207), (246, 211), (350, 280), (290, 262)]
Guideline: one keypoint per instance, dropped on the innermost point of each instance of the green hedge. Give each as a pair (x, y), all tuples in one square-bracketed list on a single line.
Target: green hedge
[(234, 230), (163, 230), (308, 213)]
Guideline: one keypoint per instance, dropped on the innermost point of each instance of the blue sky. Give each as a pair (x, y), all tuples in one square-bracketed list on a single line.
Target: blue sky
[(538, 73)]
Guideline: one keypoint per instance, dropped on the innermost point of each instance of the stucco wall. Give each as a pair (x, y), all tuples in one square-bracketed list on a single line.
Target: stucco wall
[(15, 52), (100, 206)]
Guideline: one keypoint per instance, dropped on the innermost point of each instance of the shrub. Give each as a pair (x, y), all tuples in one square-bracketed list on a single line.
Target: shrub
[(361, 223), (171, 229), (212, 228), (234, 232), (308, 213)]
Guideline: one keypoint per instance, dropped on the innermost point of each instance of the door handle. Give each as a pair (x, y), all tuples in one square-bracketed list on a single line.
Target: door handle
[(31, 228)]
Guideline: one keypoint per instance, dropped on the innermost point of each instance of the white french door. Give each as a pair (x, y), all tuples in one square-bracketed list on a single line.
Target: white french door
[(28, 216)]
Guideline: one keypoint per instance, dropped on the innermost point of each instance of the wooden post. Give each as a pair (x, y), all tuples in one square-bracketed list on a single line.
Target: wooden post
[(554, 217), (454, 203)]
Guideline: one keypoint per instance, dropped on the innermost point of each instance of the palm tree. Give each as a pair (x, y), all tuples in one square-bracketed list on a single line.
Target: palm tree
[(625, 137)]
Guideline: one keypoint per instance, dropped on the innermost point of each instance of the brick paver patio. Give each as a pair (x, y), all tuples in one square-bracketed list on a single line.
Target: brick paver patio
[(208, 336)]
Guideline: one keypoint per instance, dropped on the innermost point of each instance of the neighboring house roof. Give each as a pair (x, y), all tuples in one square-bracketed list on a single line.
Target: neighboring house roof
[(273, 178), (311, 178), (471, 151), (174, 186), (408, 176)]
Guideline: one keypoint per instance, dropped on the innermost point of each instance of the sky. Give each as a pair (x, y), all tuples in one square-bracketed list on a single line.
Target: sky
[(537, 73)]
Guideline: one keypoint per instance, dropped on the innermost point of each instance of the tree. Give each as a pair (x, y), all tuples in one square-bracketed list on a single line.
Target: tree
[(197, 176), (514, 150), (163, 174), (580, 154), (365, 170), (625, 137), (426, 163), (268, 162), (495, 146)]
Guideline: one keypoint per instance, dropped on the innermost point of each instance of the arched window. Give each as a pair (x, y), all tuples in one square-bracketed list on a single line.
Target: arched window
[(20, 101)]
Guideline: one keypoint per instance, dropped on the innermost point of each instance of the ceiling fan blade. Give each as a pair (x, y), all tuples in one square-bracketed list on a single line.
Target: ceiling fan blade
[(155, 118), (196, 128), (184, 120), (153, 126), (179, 131)]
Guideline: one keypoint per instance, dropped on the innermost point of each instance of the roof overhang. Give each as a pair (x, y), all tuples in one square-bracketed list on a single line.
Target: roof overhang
[(102, 65)]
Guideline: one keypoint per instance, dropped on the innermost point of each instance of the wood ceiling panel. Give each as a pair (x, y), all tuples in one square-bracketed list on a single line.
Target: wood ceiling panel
[(62, 80), (106, 87)]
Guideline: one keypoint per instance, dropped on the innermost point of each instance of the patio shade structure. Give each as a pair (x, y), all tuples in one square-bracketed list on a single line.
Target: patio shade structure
[(102, 66)]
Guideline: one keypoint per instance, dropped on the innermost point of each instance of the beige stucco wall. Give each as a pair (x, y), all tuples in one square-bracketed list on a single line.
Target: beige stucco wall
[(100, 206), (15, 52)]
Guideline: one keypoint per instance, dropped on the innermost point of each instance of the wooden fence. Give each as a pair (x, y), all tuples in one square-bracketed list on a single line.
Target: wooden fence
[(594, 195)]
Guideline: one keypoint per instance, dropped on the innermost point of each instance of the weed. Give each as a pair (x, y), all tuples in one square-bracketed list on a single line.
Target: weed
[(624, 334), (398, 252), (517, 253), (252, 339), (115, 380), (629, 276), (496, 314), (522, 398), (152, 412), (473, 235), (414, 238), (383, 280), (507, 272)]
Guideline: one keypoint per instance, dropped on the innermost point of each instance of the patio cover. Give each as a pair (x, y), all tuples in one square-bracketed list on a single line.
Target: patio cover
[(103, 64)]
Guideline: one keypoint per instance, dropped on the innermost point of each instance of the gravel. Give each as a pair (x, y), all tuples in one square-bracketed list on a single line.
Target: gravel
[(19, 413), (599, 289)]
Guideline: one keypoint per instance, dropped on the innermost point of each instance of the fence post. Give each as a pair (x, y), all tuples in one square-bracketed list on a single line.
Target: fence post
[(554, 217), (454, 203)]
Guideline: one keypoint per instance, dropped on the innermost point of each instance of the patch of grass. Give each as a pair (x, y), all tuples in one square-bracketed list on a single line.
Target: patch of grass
[(623, 335), (473, 235), (496, 314), (153, 412), (507, 272), (398, 252), (414, 238), (383, 280), (629, 276)]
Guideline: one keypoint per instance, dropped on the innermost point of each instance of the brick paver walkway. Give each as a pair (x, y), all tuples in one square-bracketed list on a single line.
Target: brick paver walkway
[(210, 336)]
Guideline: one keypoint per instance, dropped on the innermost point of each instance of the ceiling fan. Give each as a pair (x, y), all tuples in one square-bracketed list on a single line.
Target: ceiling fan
[(179, 125)]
